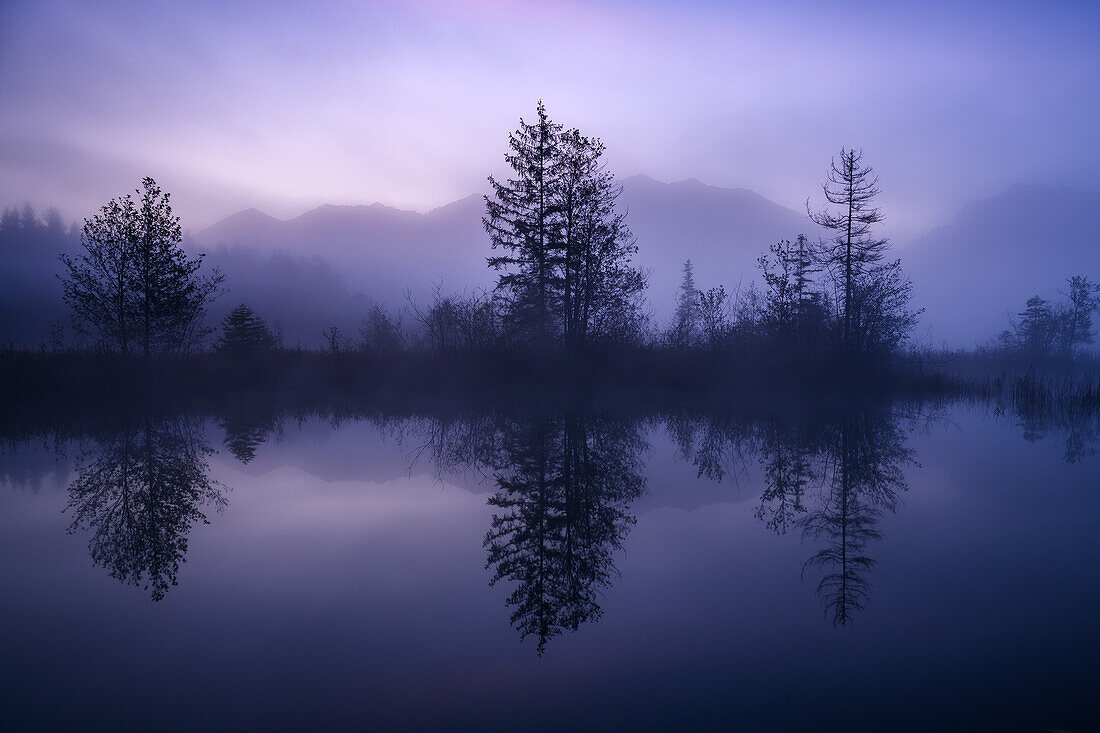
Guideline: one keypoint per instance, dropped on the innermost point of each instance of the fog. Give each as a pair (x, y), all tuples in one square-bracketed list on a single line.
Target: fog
[(285, 109), (339, 156), (327, 266)]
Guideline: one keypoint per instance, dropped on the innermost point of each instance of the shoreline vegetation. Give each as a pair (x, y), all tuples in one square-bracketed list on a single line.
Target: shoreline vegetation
[(830, 319), (39, 388)]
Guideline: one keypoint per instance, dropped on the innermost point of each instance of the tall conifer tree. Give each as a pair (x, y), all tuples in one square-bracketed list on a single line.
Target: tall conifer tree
[(566, 274), (522, 218)]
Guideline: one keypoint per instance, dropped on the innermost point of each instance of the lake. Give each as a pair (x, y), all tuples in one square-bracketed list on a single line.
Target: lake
[(901, 566)]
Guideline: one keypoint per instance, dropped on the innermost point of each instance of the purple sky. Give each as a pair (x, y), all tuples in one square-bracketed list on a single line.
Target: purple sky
[(284, 106)]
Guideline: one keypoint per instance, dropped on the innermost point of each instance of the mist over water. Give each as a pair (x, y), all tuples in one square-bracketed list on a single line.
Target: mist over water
[(549, 366)]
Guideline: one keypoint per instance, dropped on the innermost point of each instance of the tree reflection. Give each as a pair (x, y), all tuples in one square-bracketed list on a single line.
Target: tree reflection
[(564, 490), (244, 432), (831, 475), (139, 492), (716, 444), (864, 455), (1077, 424), (787, 456)]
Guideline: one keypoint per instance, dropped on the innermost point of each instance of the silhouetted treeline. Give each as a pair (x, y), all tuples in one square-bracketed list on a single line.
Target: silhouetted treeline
[(1046, 332), (568, 298), (31, 306), (566, 282)]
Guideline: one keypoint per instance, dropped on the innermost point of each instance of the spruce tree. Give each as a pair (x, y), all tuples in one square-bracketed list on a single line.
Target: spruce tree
[(601, 286), (1037, 328), (523, 219), (566, 274), (245, 332), (686, 320)]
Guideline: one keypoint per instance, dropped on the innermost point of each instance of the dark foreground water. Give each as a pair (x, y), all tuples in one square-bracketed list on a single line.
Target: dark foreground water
[(906, 567)]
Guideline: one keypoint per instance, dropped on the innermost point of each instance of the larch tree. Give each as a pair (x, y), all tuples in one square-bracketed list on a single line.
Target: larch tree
[(853, 249)]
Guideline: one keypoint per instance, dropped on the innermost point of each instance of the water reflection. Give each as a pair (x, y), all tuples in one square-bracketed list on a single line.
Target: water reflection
[(788, 454), (564, 490), (863, 463), (246, 431), (1077, 426), (563, 484), (830, 475), (139, 492)]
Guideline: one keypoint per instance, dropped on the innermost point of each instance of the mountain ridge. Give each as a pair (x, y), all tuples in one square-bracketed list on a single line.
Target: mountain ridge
[(245, 214), (969, 273)]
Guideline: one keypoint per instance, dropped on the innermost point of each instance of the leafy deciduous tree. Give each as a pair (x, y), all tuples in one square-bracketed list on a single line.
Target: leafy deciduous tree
[(133, 285)]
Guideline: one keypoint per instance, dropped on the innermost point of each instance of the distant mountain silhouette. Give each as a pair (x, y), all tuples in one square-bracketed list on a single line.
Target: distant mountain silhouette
[(325, 267), (244, 228), (997, 252), (380, 251), (722, 230)]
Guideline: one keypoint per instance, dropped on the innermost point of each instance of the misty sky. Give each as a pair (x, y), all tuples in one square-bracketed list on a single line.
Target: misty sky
[(285, 106)]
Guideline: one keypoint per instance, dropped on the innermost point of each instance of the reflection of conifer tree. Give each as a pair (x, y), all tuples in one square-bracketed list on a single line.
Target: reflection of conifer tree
[(562, 514), (867, 453), (848, 522), (1033, 426), (140, 493), (856, 459), (245, 433), (519, 541)]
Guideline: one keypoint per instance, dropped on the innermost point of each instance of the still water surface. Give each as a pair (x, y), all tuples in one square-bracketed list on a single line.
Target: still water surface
[(910, 567)]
